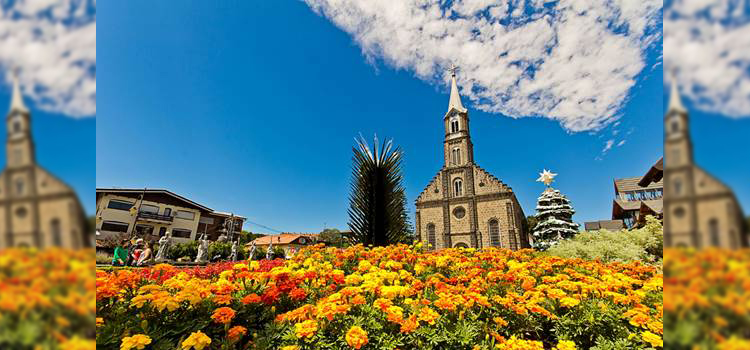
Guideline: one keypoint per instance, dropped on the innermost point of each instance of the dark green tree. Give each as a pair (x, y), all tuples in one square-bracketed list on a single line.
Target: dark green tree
[(377, 202), (332, 237)]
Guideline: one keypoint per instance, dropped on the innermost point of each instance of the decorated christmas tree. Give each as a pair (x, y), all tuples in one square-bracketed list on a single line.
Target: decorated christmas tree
[(554, 215)]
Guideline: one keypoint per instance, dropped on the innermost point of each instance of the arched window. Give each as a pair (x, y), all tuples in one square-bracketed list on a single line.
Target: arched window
[(431, 236), (494, 229), (17, 126), (454, 125), (713, 231), (19, 187), (456, 155), (56, 232), (457, 188), (461, 245), (675, 126)]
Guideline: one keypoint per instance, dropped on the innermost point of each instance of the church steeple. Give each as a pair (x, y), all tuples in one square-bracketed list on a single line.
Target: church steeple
[(19, 145), (675, 102), (678, 148), (455, 100), (457, 146), (16, 101)]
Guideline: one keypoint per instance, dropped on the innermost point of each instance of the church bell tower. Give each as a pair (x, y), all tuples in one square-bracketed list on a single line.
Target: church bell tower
[(19, 145), (458, 149)]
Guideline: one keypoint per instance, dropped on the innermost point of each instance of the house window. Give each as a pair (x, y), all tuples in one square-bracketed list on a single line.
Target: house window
[(182, 233), (186, 215), (431, 236), (144, 229), (119, 205), (17, 126), (679, 212), (56, 232), (148, 208), (675, 126), (115, 226), (457, 187), (713, 231), (456, 155), (494, 229), (678, 187), (454, 125), (167, 211)]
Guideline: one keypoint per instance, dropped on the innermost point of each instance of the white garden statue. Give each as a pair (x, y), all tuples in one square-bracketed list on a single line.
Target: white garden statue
[(164, 243), (202, 249), (233, 255)]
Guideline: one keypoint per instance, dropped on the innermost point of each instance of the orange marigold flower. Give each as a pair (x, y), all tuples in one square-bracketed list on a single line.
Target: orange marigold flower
[(223, 315), (236, 332), (356, 337), (358, 300), (410, 324), (298, 294), (428, 315), (382, 304), (251, 299), (395, 314)]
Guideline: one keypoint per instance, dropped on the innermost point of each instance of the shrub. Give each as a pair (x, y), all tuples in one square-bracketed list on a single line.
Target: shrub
[(103, 258), (644, 244), (186, 249)]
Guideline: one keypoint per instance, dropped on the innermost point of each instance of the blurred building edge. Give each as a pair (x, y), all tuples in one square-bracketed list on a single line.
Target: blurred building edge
[(36, 208), (700, 211)]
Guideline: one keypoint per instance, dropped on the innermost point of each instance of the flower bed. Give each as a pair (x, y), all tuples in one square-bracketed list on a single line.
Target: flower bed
[(707, 299), (47, 299), (385, 298)]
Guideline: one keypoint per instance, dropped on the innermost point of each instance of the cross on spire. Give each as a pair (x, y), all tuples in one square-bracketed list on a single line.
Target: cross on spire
[(453, 69)]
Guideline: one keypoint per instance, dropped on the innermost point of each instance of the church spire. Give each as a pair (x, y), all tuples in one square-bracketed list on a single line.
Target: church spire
[(675, 102), (16, 101), (455, 100)]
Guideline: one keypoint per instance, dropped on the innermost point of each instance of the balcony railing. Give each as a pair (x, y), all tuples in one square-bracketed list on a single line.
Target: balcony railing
[(155, 216)]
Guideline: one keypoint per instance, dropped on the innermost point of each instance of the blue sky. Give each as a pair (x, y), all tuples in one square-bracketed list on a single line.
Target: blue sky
[(252, 107)]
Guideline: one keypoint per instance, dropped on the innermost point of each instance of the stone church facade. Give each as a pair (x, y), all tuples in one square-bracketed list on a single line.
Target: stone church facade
[(36, 208), (464, 205), (699, 210)]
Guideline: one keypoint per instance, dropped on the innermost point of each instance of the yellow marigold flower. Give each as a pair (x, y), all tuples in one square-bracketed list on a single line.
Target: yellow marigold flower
[(77, 343), (566, 345), (223, 315), (197, 340), (138, 341), (735, 343), (290, 347), (364, 266), (569, 302), (306, 329), (356, 337), (652, 339), (99, 321)]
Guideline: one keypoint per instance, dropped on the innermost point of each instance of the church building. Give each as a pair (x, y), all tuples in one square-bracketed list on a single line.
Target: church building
[(464, 205), (36, 208), (699, 210)]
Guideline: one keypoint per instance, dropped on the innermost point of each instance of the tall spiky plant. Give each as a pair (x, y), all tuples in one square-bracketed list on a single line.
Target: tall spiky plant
[(377, 202)]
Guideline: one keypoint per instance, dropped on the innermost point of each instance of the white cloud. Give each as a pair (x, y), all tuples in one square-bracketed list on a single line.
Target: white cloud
[(608, 145), (706, 47), (570, 60), (53, 44), (622, 142)]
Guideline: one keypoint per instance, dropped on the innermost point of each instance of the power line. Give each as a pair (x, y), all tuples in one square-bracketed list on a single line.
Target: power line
[(264, 226)]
